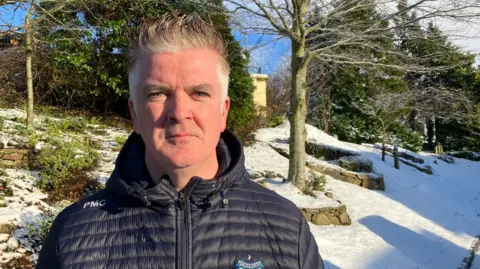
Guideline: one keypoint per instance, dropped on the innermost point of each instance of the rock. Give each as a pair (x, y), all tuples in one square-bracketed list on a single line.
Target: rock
[(446, 158), (334, 220), (307, 216), (12, 143), (16, 156), (4, 238), (13, 243), (3, 246), (329, 195), (410, 157), (21, 250), (270, 174), (7, 163), (344, 219), (320, 219), (255, 175), (39, 146)]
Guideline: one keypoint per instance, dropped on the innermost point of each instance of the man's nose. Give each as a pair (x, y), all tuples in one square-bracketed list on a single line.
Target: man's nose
[(179, 108)]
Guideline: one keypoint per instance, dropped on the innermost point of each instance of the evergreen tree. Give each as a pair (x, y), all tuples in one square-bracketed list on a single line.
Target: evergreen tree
[(89, 67), (348, 85)]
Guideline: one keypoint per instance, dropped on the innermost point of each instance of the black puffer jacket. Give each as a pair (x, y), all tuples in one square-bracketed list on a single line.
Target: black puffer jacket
[(224, 223)]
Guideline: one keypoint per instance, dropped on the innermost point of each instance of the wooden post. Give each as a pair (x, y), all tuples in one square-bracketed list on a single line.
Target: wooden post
[(395, 157)]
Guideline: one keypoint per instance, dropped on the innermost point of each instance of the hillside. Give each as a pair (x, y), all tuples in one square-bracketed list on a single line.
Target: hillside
[(419, 220)]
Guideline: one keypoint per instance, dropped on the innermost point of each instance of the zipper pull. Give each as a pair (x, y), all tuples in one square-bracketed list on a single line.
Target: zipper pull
[(181, 201)]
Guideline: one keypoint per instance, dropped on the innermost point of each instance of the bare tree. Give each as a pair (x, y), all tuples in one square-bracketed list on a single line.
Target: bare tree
[(293, 19), (278, 92), (35, 14), (386, 107)]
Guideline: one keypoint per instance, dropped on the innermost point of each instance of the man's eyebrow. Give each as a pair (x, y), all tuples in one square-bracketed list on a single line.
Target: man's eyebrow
[(151, 87), (201, 87)]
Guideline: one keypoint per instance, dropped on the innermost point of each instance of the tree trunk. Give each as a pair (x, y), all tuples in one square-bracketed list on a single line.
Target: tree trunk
[(298, 132), (383, 150), (396, 160), (430, 133), (28, 52), (327, 110)]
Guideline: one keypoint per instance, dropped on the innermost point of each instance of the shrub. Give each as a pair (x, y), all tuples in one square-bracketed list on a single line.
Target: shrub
[(319, 182), (120, 140), (469, 155), (407, 138), (356, 164), (274, 121), (62, 161)]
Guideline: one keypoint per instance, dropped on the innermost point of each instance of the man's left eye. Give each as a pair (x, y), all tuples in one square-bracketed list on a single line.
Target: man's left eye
[(201, 94)]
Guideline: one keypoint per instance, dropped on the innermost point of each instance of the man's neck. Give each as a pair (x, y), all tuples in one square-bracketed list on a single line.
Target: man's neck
[(181, 176)]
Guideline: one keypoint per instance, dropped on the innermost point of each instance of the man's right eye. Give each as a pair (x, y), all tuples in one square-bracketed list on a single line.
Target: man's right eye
[(156, 94)]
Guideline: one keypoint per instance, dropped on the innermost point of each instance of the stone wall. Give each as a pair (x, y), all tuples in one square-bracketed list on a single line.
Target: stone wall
[(369, 181), (327, 215), (11, 158)]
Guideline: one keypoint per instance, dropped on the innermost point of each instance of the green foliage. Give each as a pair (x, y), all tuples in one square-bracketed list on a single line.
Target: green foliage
[(41, 228), (274, 121), (120, 140), (62, 161), (355, 128), (91, 70), (469, 155), (407, 138), (319, 182)]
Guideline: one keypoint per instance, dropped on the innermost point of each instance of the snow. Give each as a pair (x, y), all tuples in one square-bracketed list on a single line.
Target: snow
[(419, 221)]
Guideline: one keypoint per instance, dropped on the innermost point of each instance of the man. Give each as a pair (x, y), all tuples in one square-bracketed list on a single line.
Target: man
[(180, 196)]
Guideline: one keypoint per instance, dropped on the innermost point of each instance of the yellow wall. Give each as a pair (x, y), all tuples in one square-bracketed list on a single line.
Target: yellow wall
[(260, 93)]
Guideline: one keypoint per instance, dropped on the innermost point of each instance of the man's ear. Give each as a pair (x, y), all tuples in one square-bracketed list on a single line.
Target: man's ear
[(226, 107), (133, 115)]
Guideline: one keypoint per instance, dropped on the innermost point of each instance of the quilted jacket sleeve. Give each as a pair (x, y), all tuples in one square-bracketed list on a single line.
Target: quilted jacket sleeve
[(48, 258), (309, 257)]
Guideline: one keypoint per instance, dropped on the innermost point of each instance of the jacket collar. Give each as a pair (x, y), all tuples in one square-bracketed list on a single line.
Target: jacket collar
[(131, 178)]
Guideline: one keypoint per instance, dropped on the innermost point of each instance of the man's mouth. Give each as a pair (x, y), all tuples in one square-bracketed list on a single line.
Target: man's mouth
[(179, 135)]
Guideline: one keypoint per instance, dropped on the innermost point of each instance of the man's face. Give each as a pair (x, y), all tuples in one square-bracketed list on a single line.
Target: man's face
[(179, 114)]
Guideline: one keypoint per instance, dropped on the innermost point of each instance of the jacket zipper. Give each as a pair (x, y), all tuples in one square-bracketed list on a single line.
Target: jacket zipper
[(183, 233)]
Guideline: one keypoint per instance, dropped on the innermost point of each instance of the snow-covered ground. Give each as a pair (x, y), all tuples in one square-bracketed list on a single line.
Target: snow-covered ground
[(419, 221)]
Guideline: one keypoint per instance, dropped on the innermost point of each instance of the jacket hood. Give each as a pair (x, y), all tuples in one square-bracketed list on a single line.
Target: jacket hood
[(131, 178)]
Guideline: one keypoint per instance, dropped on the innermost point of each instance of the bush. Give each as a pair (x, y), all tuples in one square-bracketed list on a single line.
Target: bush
[(469, 155), (356, 164), (355, 129), (274, 121), (319, 182), (62, 161), (407, 138)]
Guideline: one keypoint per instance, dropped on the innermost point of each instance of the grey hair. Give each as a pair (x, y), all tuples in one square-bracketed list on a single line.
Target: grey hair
[(172, 33)]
